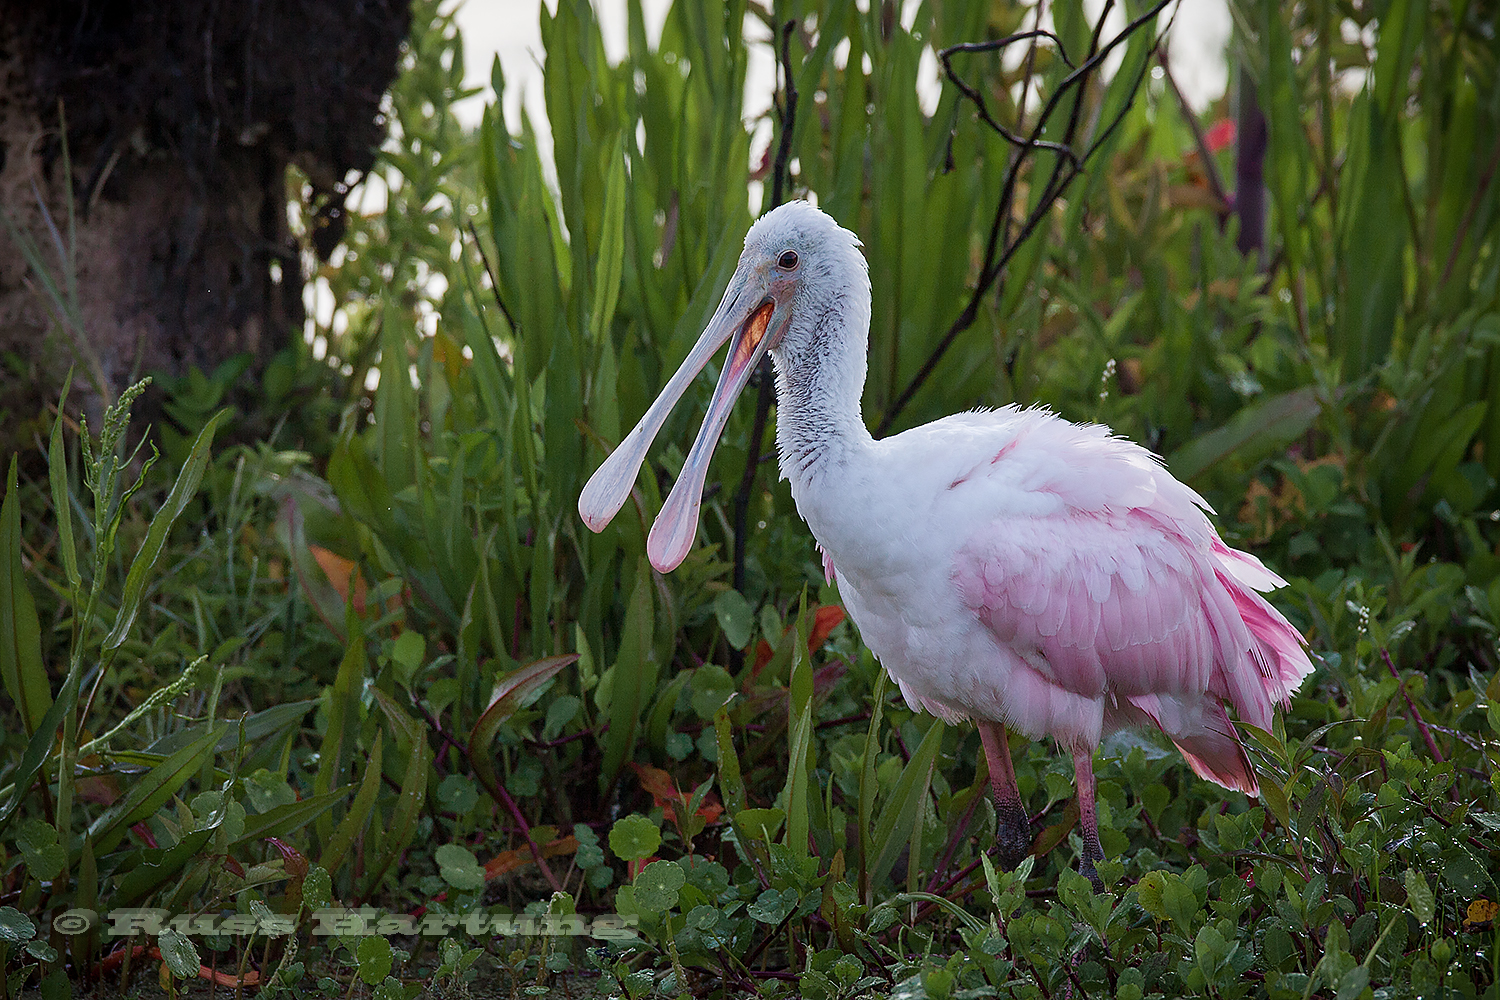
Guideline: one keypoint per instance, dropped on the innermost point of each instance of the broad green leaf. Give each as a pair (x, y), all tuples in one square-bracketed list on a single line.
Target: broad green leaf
[(45, 857), (773, 906), (657, 884), (736, 618), (179, 953), (1251, 434), (374, 954), (459, 868), (634, 837), (15, 926)]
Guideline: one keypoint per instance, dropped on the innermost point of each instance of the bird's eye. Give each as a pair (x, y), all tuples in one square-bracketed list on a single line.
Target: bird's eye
[(787, 261)]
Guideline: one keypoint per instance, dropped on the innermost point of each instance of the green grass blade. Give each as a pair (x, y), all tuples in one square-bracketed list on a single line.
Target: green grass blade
[(153, 790), (21, 667), (797, 781), (156, 536), (634, 679), (731, 781), (411, 737), (359, 812), (610, 265), (62, 508), (868, 785), (164, 866), (899, 817), (285, 820), (343, 719), (37, 748)]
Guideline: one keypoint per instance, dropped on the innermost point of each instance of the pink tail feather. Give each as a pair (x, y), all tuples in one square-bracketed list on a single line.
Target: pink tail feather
[(1204, 736), (1282, 657), (1217, 754)]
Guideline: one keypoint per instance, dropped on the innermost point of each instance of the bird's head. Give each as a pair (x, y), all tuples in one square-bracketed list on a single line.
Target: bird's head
[(796, 264)]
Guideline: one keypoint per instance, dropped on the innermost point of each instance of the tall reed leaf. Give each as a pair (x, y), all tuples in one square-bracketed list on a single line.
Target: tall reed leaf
[(20, 630)]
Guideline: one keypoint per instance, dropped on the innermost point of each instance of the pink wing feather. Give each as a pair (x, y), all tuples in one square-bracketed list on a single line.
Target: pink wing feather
[(1126, 594)]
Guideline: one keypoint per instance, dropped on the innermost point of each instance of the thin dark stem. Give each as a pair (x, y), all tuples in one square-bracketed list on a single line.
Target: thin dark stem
[(496, 791), (1210, 165), (958, 835), (999, 248), (786, 113), (494, 282), (1469, 213), (1411, 709)]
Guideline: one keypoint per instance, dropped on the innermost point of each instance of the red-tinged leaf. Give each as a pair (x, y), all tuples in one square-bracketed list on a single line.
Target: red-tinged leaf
[(509, 692), (510, 860), (763, 654), (234, 867), (295, 860), (825, 620), (342, 574), (663, 789)]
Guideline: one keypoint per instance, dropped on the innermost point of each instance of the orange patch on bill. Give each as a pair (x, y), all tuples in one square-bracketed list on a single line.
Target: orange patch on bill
[(752, 335)]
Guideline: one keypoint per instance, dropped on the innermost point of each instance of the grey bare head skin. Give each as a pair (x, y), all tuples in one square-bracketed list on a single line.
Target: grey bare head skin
[(802, 292)]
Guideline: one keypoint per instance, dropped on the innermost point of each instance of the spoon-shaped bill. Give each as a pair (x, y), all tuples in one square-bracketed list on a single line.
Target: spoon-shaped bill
[(609, 486), (677, 524)]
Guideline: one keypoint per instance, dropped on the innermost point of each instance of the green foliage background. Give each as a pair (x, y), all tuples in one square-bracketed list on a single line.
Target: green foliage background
[(375, 659)]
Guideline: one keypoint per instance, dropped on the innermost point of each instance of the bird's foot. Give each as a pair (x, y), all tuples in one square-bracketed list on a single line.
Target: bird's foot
[(1012, 834)]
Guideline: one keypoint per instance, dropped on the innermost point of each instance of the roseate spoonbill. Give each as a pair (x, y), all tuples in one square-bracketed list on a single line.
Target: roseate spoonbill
[(1005, 566)]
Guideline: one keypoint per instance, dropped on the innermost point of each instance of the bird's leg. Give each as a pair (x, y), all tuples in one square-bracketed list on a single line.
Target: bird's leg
[(1088, 819), (1012, 825)]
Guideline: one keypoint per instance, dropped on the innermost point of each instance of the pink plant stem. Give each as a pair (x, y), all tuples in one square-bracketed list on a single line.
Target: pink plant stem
[(1411, 709)]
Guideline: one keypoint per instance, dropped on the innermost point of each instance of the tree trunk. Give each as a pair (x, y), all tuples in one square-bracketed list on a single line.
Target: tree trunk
[(182, 117)]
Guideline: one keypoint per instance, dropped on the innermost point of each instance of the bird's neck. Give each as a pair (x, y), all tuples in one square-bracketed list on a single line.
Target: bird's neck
[(819, 425)]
